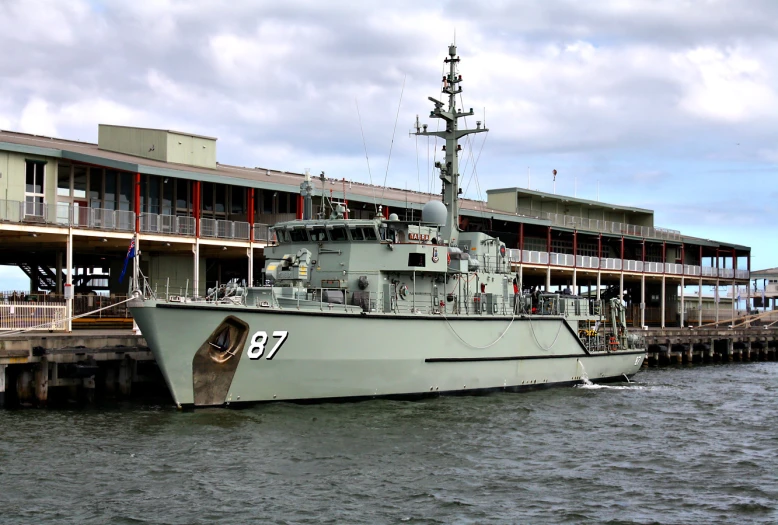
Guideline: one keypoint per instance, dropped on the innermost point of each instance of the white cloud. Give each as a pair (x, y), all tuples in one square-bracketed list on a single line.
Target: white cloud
[(610, 91)]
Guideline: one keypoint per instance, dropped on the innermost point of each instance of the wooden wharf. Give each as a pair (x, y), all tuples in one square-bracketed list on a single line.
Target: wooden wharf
[(80, 366)]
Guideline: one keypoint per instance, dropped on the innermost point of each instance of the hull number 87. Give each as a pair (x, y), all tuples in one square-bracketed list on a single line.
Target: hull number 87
[(259, 340)]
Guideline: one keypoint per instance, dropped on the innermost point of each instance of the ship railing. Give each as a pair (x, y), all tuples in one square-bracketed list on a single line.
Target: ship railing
[(726, 273)]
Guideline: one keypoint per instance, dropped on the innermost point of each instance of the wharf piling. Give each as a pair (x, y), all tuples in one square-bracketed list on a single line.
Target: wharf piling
[(42, 369), (708, 345)]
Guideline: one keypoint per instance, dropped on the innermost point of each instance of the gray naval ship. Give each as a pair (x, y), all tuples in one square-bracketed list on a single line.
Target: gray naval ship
[(358, 309)]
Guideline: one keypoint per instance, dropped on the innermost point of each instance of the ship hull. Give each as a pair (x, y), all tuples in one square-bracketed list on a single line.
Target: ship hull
[(340, 356)]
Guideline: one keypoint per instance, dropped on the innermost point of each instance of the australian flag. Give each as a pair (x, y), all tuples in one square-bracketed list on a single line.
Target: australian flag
[(130, 255)]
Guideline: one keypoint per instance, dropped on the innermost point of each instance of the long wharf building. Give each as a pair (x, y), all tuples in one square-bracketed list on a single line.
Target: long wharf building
[(68, 211)]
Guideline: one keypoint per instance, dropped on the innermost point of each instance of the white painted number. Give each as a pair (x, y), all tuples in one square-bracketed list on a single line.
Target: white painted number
[(638, 359), (258, 341)]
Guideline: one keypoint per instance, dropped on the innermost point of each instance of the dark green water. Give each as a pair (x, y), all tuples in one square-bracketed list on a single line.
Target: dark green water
[(691, 445)]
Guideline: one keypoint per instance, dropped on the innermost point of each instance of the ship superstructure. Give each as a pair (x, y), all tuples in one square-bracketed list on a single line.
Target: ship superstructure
[(383, 307)]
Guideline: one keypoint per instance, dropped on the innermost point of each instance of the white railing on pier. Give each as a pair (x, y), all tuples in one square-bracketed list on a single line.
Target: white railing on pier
[(709, 271), (207, 227), (241, 230), (561, 259), (185, 226), (584, 261), (610, 264), (674, 268), (261, 232), (31, 316)]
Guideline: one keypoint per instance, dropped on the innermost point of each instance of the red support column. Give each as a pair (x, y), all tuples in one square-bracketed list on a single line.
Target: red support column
[(250, 206), (137, 202), (700, 259), (622, 251), (599, 249), (734, 259), (521, 236), (644, 255), (196, 206), (300, 205), (386, 212), (683, 249), (664, 255), (748, 263)]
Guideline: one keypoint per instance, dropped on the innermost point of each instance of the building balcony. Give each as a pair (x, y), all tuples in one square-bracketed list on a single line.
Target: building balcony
[(600, 226), (65, 215), (618, 265)]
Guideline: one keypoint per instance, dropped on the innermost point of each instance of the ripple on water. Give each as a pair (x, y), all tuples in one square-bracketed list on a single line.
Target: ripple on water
[(683, 445)]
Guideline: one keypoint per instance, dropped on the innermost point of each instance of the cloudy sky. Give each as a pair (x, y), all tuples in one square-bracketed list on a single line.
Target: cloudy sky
[(668, 105)]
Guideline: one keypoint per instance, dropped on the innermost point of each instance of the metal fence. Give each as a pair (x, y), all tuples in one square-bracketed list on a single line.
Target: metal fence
[(83, 304), (581, 223), (31, 316)]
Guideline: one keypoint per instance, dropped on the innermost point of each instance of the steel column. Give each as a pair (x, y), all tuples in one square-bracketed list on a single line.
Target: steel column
[(69, 279), (699, 300), (196, 207), (642, 301), (663, 301), (250, 208), (196, 279)]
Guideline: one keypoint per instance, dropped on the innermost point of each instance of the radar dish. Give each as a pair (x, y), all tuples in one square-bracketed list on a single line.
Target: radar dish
[(394, 217), (434, 212)]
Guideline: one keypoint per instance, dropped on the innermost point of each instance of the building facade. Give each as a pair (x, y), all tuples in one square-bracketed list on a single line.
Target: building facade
[(69, 209)]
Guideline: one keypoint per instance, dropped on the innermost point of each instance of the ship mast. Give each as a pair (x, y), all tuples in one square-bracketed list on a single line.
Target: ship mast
[(449, 169)]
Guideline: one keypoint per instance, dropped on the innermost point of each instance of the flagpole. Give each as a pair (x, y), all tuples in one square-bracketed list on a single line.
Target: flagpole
[(135, 275)]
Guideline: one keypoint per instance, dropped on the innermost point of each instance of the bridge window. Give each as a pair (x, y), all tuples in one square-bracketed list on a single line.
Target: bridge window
[(299, 235), (338, 233), (356, 234), (318, 234), (369, 233)]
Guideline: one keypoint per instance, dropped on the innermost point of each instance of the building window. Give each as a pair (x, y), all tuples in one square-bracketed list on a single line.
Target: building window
[(183, 202), (207, 197), (63, 180), (219, 198), (110, 190), (95, 187), (237, 200), (33, 195), (167, 196), (125, 190)]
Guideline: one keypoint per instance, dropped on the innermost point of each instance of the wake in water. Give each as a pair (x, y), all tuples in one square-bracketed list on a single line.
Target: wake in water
[(592, 386), (587, 384)]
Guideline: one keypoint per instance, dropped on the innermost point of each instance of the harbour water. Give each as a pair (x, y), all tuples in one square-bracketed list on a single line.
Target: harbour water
[(679, 445)]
